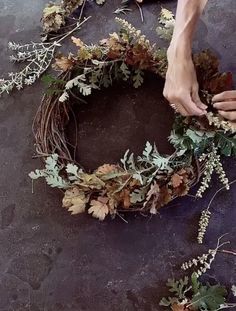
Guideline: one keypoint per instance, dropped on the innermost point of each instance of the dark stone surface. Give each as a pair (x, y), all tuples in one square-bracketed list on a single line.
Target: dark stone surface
[(52, 261)]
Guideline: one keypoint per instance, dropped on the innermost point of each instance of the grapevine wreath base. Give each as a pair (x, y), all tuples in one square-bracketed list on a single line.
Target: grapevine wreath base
[(149, 181)]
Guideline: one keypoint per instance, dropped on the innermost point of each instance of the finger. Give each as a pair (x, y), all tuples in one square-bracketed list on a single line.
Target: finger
[(180, 109), (224, 96), (229, 115), (229, 105), (196, 99), (191, 107)]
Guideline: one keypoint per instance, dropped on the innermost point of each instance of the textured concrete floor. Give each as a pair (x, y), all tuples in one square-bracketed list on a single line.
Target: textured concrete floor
[(52, 261)]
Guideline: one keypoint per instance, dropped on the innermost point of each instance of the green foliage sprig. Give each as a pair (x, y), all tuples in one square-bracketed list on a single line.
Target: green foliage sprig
[(191, 294)]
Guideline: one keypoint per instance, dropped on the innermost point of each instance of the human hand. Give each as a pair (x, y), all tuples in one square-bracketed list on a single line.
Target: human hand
[(181, 86), (226, 104)]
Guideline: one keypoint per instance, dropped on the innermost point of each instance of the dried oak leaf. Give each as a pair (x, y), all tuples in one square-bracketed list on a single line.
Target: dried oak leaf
[(53, 18), (182, 190), (84, 54), (165, 196), (90, 181), (207, 65), (114, 45), (153, 197), (125, 198), (71, 5), (77, 42), (178, 307), (74, 200), (106, 169), (63, 63), (176, 180), (179, 181), (219, 83), (112, 205), (166, 14), (99, 208)]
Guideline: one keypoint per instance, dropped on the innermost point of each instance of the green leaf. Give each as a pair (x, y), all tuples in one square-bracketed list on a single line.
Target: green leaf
[(161, 162), (125, 71), (194, 136), (48, 79), (73, 170), (148, 149), (51, 173), (226, 143), (138, 78), (85, 89), (131, 162), (138, 177), (106, 81), (195, 283), (179, 287), (209, 297), (166, 302), (100, 2), (138, 195), (124, 159)]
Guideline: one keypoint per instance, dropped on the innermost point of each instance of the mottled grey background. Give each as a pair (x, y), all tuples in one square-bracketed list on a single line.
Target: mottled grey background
[(52, 261)]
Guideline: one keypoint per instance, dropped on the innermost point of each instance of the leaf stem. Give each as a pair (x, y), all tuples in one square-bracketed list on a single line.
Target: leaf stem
[(219, 190)]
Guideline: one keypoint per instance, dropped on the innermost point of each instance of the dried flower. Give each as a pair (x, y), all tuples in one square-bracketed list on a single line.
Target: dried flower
[(212, 163), (203, 263), (203, 224)]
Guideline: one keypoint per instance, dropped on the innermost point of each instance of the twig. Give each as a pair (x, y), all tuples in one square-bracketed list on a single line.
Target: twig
[(225, 251), (122, 218), (219, 190), (140, 11), (82, 10), (74, 29)]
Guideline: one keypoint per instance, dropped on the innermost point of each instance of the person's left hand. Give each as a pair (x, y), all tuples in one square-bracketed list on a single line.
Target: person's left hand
[(226, 104)]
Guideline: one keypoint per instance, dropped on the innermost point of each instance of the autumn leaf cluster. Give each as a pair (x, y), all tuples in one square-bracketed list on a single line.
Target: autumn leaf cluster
[(55, 14)]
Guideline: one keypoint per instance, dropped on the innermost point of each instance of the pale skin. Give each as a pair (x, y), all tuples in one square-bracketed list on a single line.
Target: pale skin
[(181, 86)]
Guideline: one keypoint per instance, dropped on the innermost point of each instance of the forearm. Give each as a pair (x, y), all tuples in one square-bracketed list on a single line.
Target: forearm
[(187, 16)]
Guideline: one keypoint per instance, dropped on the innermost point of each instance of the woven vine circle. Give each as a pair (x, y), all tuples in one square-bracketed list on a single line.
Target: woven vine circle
[(151, 180)]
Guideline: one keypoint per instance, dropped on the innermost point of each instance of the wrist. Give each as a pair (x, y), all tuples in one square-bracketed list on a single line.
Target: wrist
[(180, 49)]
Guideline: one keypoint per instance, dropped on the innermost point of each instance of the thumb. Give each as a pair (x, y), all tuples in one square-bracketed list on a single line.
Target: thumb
[(196, 99)]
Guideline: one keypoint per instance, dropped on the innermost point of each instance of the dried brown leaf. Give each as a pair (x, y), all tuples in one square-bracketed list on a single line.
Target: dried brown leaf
[(90, 181), (106, 169), (63, 63), (176, 180), (178, 307), (124, 197), (77, 41), (75, 201), (99, 208)]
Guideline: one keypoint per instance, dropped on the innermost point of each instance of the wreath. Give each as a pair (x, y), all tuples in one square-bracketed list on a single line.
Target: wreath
[(147, 182)]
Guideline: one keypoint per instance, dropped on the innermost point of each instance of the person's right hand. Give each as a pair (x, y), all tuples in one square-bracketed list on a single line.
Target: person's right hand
[(181, 86)]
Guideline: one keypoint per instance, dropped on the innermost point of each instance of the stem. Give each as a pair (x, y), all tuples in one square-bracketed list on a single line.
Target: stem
[(73, 30), (122, 218), (141, 11), (225, 251), (226, 306), (209, 205), (82, 10)]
